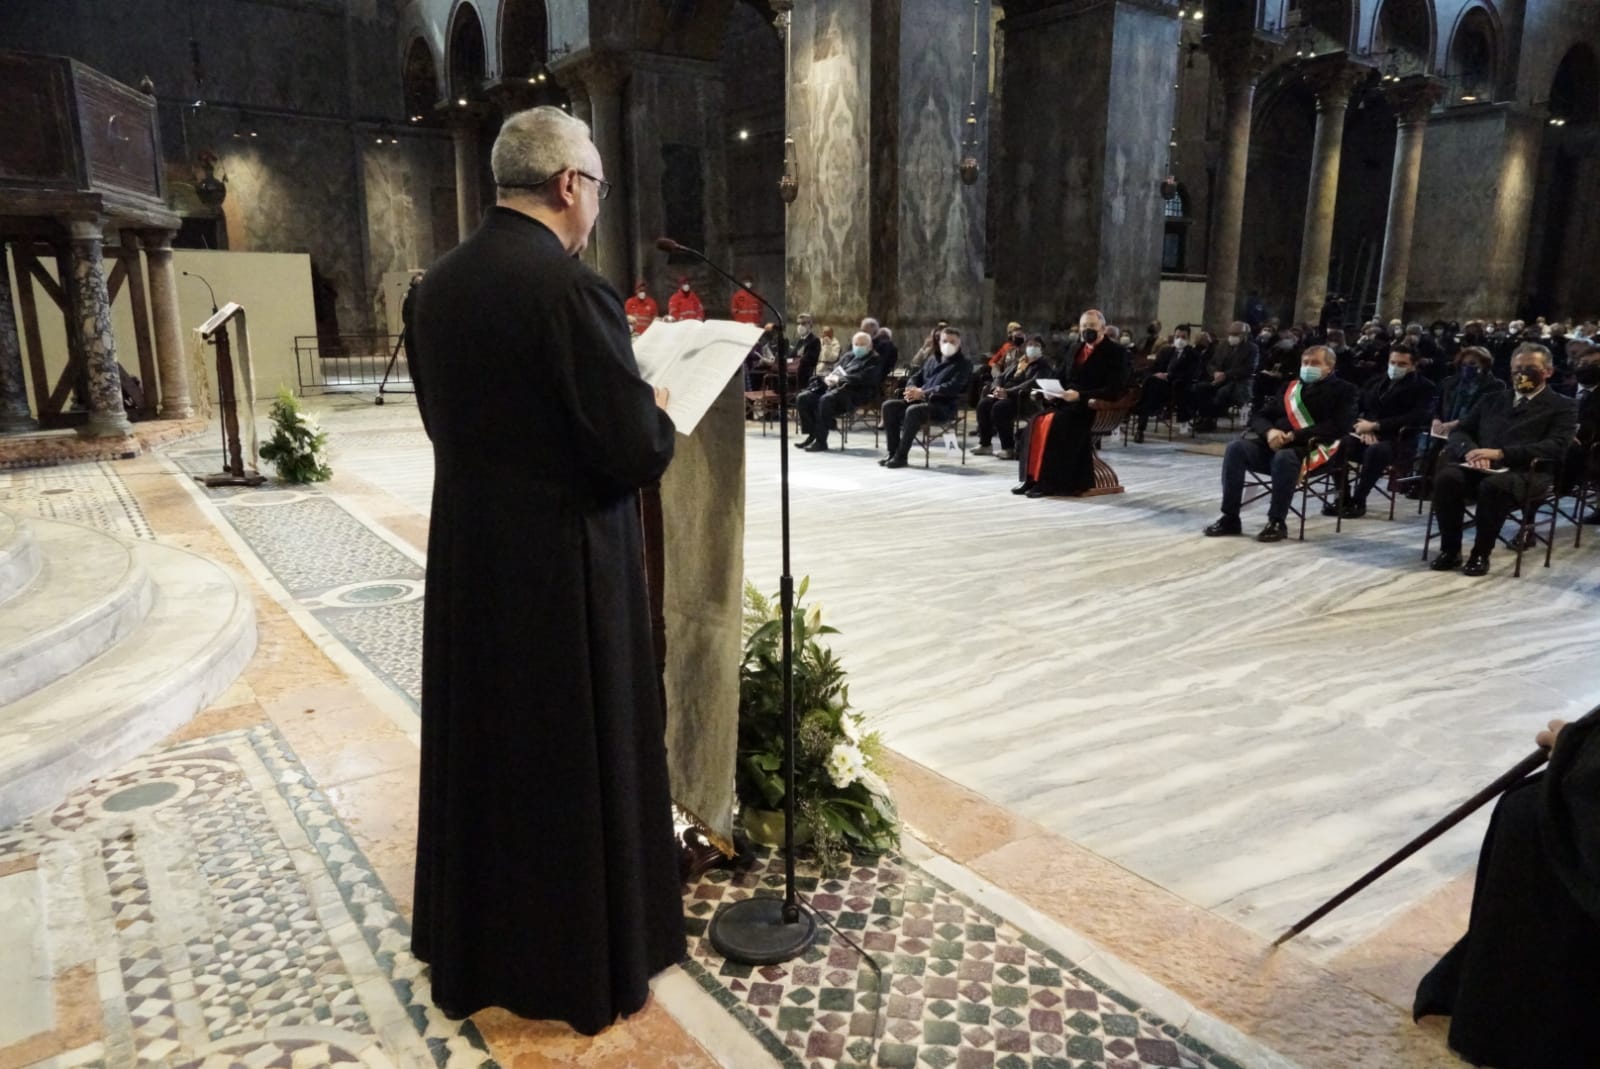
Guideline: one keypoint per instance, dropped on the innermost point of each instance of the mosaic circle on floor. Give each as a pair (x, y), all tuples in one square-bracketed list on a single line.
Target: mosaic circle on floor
[(368, 595), (263, 498)]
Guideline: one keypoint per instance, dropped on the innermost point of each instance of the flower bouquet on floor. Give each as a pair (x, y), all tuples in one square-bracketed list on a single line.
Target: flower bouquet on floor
[(298, 446), (841, 800)]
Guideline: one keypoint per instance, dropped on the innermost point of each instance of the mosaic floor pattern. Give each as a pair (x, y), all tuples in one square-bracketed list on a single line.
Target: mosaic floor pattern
[(230, 920), (959, 985), (91, 494)]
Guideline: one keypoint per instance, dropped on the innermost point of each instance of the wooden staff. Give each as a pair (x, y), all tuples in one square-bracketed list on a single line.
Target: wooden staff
[(1522, 769)]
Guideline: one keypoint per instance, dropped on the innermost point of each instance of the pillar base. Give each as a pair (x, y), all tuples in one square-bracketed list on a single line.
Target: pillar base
[(106, 425), (19, 425), (183, 411)]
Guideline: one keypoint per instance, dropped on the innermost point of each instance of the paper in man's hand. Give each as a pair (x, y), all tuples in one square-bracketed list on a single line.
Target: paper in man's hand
[(693, 360)]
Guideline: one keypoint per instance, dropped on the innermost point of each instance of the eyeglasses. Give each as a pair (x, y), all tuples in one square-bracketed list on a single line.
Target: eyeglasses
[(602, 187)]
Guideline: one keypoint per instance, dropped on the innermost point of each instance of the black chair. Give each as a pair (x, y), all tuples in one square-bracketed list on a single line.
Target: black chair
[(1405, 471), (1528, 516), (1585, 494), (863, 415), (954, 427), (1329, 484)]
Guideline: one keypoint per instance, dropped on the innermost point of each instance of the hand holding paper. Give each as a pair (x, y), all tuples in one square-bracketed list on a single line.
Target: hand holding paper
[(691, 361)]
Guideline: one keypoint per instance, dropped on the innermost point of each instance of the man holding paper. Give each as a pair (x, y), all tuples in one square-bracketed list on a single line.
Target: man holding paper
[(1493, 450), (546, 876)]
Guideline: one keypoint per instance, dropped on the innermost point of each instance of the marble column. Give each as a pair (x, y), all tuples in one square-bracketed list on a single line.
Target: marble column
[(172, 362), (469, 205), (15, 417), (1238, 61), (1413, 100), (603, 77), (89, 317), (1332, 78)]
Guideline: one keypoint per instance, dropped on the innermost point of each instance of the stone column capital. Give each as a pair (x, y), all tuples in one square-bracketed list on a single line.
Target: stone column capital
[(157, 240), (596, 73), (86, 228), (1241, 58), (1333, 78), (1413, 98)]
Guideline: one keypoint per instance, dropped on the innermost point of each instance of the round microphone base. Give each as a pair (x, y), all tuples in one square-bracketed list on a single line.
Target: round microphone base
[(753, 932)]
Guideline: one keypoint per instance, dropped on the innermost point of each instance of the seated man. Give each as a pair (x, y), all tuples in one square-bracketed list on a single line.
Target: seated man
[(806, 352), (997, 410), (933, 392), (1586, 372), (1400, 401), (853, 380), (1315, 406), (1170, 376), (1492, 451), (1225, 382), (1521, 986)]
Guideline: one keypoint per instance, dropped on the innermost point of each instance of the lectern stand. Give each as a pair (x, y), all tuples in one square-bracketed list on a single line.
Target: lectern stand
[(216, 330)]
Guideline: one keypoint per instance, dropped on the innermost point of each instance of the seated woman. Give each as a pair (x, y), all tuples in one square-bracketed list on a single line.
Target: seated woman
[(998, 407), (1522, 986), (1474, 376), (1056, 454)]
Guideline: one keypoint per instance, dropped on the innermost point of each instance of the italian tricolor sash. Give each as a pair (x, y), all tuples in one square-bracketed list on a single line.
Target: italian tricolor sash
[(1300, 418)]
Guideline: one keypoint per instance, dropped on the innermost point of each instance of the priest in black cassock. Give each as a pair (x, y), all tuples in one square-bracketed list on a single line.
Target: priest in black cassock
[(547, 879), (1522, 987)]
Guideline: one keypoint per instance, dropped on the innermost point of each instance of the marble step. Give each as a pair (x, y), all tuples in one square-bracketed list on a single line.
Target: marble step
[(197, 637), (89, 593), (19, 555)]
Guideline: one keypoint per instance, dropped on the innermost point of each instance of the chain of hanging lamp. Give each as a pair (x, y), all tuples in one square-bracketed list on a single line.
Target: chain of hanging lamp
[(969, 131)]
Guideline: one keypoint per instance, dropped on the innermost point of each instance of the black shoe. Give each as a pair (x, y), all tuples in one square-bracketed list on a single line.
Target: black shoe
[(805, 443), (884, 462), (1227, 525), (1138, 437), (895, 462), (817, 447), (1023, 487), (1523, 540), (1036, 491), (1330, 509), (1274, 531), (1477, 564), (1446, 562), (1354, 510)]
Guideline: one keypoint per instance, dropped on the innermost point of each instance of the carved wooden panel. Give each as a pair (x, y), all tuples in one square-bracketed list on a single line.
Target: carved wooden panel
[(36, 143), (117, 125)]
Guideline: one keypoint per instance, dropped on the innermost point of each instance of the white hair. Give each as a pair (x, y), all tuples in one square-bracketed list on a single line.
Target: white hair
[(535, 144)]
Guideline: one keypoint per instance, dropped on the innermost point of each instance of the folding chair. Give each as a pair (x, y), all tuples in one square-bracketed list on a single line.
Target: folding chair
[(952, 430), (1328, 484), (1527, 515)]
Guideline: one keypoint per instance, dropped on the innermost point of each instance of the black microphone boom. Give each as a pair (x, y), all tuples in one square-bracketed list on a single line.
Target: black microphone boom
[(207, 285), (766, 931)]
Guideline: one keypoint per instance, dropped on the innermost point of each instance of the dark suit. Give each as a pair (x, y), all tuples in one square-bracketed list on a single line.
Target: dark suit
[(1540, 428), (1236, 363), (998, 415), (943, 380), (821, 404), (1332, 403), (1580, 451), (1180, 366), (1404, 404)]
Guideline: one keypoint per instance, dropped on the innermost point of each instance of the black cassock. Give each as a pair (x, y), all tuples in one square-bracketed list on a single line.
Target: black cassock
[(1522, 988), (547, 878)]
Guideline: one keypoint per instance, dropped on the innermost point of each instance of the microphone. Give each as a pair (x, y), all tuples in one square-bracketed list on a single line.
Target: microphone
[(191, 274), (668, 245)]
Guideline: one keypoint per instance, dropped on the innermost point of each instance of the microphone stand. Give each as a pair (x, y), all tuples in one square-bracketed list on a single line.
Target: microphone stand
[(767, 931)]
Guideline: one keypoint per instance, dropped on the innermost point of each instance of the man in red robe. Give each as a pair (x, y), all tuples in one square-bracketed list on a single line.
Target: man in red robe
[(685, 303), (744, 307), (641, 309)]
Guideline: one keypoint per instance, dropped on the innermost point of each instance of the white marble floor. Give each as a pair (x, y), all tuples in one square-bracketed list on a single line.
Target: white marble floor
[(1248, 726)]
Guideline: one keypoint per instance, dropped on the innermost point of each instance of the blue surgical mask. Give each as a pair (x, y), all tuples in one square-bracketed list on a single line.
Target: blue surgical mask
[(1469, 373), (860, 350), (1396, 372), (1310, 373)]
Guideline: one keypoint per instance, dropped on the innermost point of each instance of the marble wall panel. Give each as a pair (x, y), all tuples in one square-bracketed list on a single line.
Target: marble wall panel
[(940, 221), (400, 180), (1459, 198), (828, 239), (668, 102)]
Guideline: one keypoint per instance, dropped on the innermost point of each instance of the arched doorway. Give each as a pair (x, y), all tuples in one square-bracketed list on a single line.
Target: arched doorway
[(1366, 168), (1317, 27), (467, 58), (420, 81), (1276, 189), (524, 40), (1563, 275), (1403, 37), (1474, 58)]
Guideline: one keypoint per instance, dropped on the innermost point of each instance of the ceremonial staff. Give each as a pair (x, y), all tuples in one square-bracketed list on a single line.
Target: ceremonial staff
[(1511, 778)]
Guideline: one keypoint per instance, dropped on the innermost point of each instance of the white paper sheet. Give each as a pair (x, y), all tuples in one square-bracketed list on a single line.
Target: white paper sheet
[(1049, 387), (693, 360)]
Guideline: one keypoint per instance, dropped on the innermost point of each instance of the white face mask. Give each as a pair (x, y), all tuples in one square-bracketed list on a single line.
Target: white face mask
[(1179, 343), (1034, 352), (685, 287), (803, 330), (641, 295), (747, 284), (949, 348), (1233, 339)]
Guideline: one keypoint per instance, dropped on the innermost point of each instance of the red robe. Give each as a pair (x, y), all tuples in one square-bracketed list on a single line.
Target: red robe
[(744, 307), (685, 305), (641, 313)]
